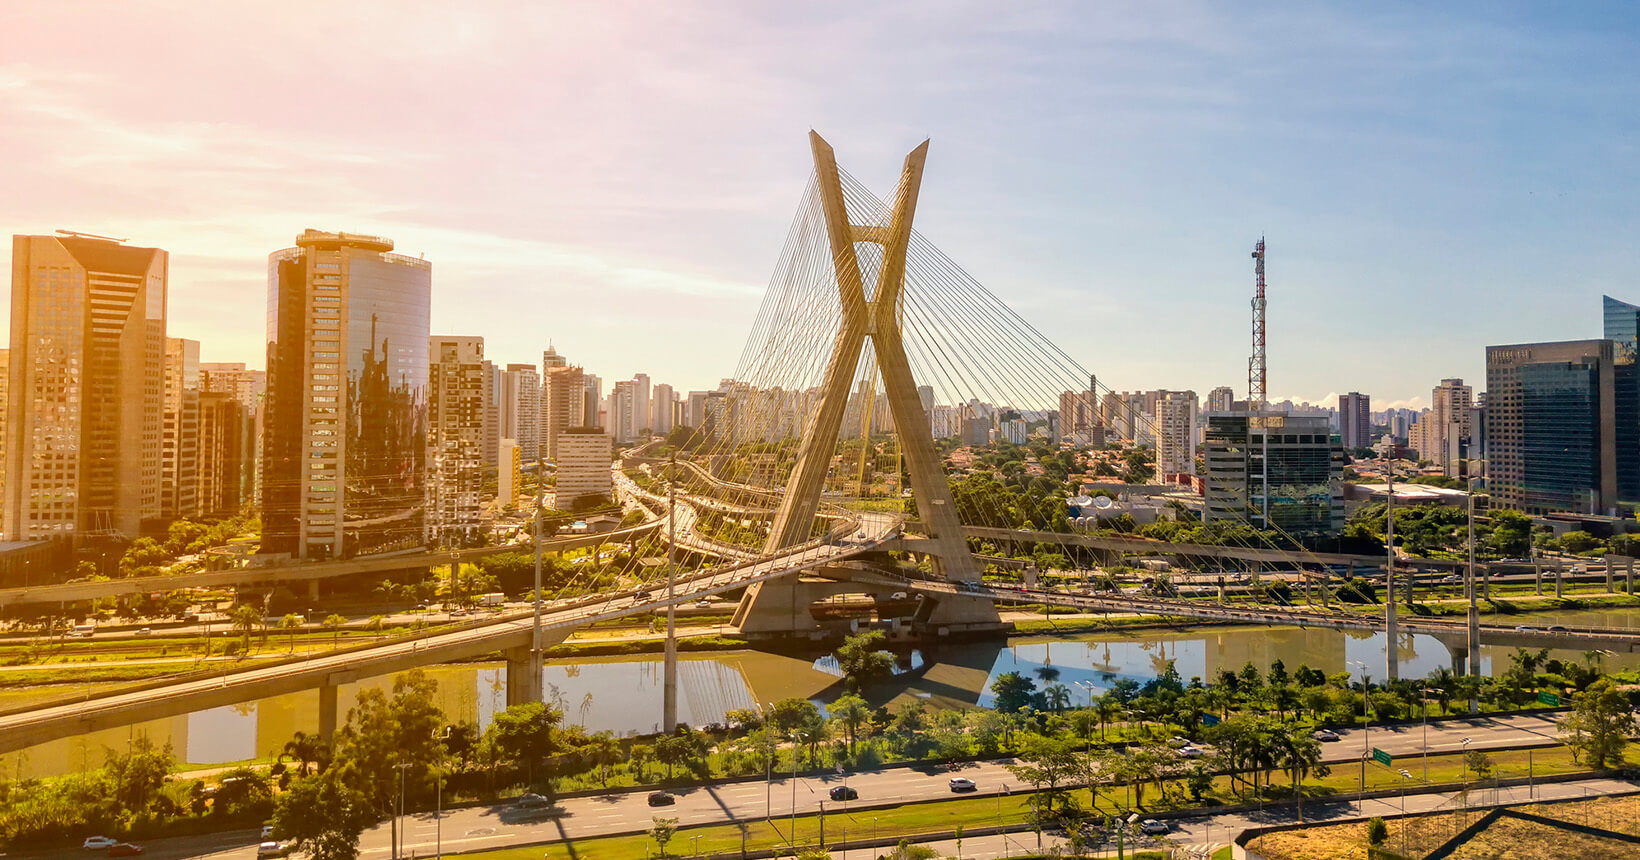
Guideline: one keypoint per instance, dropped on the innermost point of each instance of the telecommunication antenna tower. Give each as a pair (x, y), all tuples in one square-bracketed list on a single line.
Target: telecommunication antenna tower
[(1255, 365)]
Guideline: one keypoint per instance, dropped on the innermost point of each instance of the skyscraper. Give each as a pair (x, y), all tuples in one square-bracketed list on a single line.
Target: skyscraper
[(664, 408), (1622, 327), (456, 429), (643, 408), (344, 456), (223, 450), (1355, 420), (1451, 404), (179, 440), (1551, 426), (562, 406), (521, 410), (1274, 472), (248, 388), (1221, 399), (1175, 435), (84, 413)]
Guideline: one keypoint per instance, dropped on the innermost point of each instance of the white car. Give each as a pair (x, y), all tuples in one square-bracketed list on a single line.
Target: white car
[(1191, 752), (1178, 742), (271, 849), (98, 843), (963, 783), (1152, 827)]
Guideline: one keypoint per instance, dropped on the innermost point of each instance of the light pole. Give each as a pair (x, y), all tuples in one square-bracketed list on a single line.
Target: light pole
[(669, 684), (397, 828), (1366, 743), (1466, 742), (1391, 631), (1404, 777), (1472, 615), (1423, 699)]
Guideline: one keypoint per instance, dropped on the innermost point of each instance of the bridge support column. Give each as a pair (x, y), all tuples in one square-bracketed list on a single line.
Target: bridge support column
[(1537, 574), (1609, 572), (327, 712), (523, 677), (313, 589), (1460, 656), (1392, 640), (1560, 581), (1628, 571)]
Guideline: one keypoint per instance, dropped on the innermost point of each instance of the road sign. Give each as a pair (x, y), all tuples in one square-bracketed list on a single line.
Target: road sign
[(1381, 757), (1548, 698), (1209, 720)]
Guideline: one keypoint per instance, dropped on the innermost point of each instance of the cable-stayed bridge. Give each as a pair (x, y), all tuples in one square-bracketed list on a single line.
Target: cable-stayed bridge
[(823, 447)]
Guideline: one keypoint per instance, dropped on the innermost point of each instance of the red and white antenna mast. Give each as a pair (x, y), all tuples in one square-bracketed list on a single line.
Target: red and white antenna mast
[(1255, 366)]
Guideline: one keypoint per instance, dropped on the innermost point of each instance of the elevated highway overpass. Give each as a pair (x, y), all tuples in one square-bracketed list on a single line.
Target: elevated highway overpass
[(511, 634)]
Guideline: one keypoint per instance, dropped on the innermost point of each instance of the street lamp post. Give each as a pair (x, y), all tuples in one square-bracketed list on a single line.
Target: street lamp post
[(1404, 777), (1466, 742), (1472, 617), (1366, 730), (669, 683), (1391, 631)]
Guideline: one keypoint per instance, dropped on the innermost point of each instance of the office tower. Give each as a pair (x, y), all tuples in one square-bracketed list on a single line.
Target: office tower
[(491, 451), (521, 409), (562, 404), (584, 457), (1355, 420), (1274, 472), (642, 407), (550, 359), (1221, 399), (694, 409), (1175, 435), (179, 439), (591, 397), (1448, 436), (1622, 327), (5, 387), (664, 412), (1552, 426), (248, 388), (85, 399), (509, 476), (1077, 415), (623, 411), (345, 445), (456, 381), (223, 485)]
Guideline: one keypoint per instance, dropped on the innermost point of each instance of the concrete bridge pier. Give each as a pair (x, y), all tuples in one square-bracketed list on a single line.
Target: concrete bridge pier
[(523, 677), (327, 712), (1537, 574), (1629, 573), (1609, 573), (313, 589), (1560, 581)]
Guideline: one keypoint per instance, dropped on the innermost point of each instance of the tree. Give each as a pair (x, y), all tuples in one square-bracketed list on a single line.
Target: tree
[(662, 831), (1599, 724), (375, 624), (526, 734), (1511, 532), (245, 619), (139, 774), (293, 623), (862, 659), (334, 624), (851, 712), (323, 816), (1046, 763), (304, 749), (1377, 831), (1013, 691), (1057, 697), (387, 739)]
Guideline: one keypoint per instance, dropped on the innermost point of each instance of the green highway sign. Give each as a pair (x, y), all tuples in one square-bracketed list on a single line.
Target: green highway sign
[(1381, 757), (1550, 699), (1209, 720)]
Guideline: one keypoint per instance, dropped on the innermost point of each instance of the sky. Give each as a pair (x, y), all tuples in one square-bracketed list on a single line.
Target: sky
[(618, 179)]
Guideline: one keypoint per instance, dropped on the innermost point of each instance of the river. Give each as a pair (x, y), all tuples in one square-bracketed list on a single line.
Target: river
[(623, 694)]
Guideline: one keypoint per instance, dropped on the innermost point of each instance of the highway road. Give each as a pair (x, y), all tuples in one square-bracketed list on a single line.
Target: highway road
[(496, 826), (512, 631)]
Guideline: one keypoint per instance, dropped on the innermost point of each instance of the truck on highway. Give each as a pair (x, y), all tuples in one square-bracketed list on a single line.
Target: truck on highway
[(494, 598)]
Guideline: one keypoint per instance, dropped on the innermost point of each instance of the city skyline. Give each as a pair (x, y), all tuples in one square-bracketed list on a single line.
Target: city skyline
[(632, 175)]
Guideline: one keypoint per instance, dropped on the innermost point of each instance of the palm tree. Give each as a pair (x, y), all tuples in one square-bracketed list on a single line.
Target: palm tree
[(1057, 696), (1299, 754), (374, 625), (1106, 707), (1443, 682), (303, 748), (852, 711), (292, 622), (334, 624), (244, 619)]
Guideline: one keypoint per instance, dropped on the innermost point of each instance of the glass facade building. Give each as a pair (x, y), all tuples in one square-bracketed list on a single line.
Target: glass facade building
[(83, 420), (1274, 472), (345, 445), (1622, 327), (1551, 425)]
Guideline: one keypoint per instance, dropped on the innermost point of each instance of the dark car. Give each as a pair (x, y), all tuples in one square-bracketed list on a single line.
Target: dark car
[(843, 792), (661, 798), (124, 849)]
